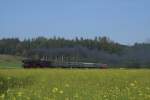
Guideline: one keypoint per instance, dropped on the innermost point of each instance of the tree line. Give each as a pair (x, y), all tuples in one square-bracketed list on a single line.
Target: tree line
[(99, 49)]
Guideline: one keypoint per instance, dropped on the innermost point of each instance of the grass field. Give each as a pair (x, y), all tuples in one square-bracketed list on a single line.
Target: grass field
[(7, 61), (74, 84)]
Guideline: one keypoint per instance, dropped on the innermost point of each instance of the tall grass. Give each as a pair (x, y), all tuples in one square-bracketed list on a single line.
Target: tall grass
[(60, 84)]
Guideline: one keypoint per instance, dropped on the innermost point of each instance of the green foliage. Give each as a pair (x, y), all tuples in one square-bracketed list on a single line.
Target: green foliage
[(17, 47), (100, 49)]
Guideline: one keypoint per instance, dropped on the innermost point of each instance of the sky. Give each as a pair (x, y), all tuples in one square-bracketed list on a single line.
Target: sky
[(124, 21)]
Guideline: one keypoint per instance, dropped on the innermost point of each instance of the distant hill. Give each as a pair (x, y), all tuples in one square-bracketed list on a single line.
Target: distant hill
[(8, 61)]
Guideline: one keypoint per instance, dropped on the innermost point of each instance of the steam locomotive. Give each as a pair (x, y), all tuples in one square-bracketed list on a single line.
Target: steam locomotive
[(30, 63)]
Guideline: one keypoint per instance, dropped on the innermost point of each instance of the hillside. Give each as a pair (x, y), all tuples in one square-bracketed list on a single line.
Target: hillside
[(100, 49)]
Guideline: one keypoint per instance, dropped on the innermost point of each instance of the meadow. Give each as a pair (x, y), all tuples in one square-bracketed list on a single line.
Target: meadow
[(8, 61), (74, 84)]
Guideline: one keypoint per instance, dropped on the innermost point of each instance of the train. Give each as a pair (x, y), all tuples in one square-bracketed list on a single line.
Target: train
[(31, 63)]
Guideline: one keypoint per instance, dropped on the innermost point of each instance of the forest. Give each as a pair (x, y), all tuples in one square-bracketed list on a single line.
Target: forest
[(99, 49)]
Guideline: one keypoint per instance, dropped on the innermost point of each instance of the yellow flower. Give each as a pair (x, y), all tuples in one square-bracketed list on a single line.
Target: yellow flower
[(19, 94), (76, 96), (116, 88), (140, 94), (8, 90), (2, 96), (61, 92), (132, 84), (67, 85), (66, 98), (28, 98), (55, 90), (14, 98), (105, 96), (135, 81)]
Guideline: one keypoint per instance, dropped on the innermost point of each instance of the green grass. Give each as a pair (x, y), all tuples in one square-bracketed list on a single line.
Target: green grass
[(7, 61), (74, 84)]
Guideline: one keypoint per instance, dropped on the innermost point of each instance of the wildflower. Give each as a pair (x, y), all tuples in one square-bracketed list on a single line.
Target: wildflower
[(2, 96), (14, 98), (61, 92), (105, 96), (140, 94), (132, 84), (76, 96), (67, 85), (8, 90), (55, 90), (35, 93), (116, 88), (135, 81), (66, 98), (28, 98), (19, 94)]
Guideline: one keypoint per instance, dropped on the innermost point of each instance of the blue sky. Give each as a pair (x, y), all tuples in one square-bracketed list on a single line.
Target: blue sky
[(124, 21)]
